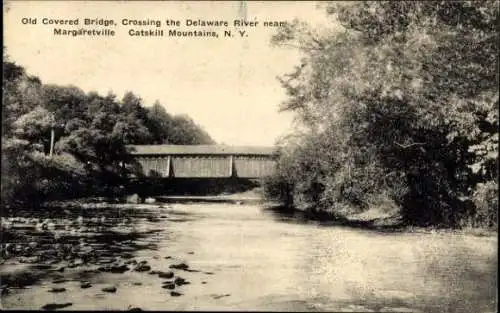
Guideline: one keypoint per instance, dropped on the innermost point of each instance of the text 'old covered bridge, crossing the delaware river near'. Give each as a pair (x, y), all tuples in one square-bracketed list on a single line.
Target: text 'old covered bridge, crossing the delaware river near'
[(204, 161)]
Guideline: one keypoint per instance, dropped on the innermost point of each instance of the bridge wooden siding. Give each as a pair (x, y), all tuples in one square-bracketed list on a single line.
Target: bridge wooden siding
[(204, 161)]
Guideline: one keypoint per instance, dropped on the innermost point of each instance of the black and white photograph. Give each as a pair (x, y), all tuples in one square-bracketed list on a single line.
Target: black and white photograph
[(330, 156)]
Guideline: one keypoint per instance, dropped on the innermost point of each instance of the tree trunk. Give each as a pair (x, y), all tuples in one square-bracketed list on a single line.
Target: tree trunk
[(52, 135)]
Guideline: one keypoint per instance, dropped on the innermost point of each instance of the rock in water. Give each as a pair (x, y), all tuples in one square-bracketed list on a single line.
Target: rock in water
[(167, 275), (106, 260), (42, 266), (175, 293), (55, 306), (220, 296), (75, 263), (142, 268), (131, 262), (29, 260), (59, 269), (192, 271), (57, 289), (150, 200), (127, 255), (133, 199), (180, 266), (179, 281), (119, 269), (168, 286), (85, 285), (109, 289)]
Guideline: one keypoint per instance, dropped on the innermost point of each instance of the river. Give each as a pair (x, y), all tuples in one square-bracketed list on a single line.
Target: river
[(249, 258)]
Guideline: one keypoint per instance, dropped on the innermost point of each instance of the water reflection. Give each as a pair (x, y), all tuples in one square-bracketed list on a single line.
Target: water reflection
[(365, 270)]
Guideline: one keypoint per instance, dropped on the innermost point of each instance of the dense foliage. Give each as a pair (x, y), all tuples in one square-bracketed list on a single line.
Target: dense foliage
[(397, 107), (91, 133)]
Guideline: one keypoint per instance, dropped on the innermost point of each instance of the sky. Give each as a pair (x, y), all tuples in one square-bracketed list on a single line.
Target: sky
[(226, 85)]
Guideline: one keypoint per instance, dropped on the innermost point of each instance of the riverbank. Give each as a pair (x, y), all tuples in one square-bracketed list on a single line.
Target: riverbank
[(382, 219), (374, 219), (377, 220)]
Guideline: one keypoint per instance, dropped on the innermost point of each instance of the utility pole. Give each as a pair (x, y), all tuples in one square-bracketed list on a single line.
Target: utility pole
[(52, 135)]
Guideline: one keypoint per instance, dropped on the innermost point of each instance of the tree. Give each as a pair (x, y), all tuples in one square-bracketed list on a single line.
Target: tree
[(20, 94), (35, 127), (66, 102), (91, 134), (406, 95)]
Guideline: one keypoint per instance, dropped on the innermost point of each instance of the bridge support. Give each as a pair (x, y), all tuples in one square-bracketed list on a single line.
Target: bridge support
[(169, 161), (231, 166)]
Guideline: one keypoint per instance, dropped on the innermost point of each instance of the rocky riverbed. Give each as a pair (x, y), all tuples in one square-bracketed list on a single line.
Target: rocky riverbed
[(79, 248)]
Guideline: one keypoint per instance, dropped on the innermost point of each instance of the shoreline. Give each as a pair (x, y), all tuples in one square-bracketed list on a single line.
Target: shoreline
[(386, 224), (382, 222)]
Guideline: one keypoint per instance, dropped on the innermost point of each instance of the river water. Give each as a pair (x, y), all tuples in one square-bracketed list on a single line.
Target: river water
[(250, 258)]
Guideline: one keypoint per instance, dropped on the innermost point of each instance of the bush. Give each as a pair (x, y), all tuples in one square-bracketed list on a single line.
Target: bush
[(277, 188), (485, 199), (31, 177)]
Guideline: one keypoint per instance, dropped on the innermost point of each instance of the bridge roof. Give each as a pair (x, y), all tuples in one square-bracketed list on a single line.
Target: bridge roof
[(199, 149)]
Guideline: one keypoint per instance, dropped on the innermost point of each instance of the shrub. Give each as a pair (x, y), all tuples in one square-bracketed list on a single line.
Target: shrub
[(485, 199), (278, 188)]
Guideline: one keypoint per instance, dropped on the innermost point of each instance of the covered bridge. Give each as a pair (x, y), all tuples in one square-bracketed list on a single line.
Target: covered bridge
[(204, 161)]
